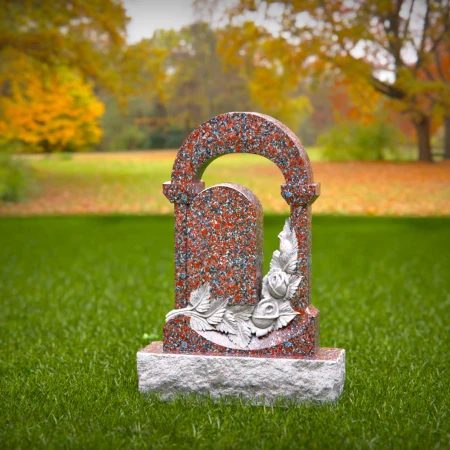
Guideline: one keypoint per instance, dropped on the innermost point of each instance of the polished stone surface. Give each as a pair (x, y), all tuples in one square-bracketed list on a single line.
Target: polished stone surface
[(232, 331), (218, 241)]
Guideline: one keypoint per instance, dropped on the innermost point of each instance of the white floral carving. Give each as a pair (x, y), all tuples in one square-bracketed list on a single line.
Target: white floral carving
[(241, 322)]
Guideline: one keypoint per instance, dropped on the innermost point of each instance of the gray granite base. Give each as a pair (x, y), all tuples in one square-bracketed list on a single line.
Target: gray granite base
[(260, 381)]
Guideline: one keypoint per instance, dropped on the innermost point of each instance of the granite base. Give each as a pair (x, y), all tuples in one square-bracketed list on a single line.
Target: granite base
[(260, 381)]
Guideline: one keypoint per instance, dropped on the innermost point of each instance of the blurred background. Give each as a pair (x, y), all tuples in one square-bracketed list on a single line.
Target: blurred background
[(96, 96)]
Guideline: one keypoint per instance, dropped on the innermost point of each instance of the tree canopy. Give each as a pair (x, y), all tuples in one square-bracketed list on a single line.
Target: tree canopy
[(50, 54), (386, 44), (85, 36), (310, 64), (56, 111)]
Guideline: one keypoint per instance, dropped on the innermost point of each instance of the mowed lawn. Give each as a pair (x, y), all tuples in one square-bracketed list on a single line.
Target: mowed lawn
[(78, 293), (131, 183)]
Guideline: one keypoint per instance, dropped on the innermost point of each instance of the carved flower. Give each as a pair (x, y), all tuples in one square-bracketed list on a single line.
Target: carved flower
[(277, 283), (265, 313)]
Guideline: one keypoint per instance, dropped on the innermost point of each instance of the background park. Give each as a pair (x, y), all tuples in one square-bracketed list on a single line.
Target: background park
[(95, 98)]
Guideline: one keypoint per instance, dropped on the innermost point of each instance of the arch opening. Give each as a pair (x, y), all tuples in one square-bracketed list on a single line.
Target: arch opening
[(242, 133)]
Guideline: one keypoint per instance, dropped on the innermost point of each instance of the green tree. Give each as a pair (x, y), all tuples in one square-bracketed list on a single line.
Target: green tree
[(198, 86), (181, 82)]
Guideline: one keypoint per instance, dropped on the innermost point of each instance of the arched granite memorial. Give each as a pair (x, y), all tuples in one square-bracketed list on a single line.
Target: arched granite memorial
[(224, 306)]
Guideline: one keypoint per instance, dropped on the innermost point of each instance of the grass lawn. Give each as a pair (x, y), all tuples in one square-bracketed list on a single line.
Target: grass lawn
[(78, 293), (131, 183)]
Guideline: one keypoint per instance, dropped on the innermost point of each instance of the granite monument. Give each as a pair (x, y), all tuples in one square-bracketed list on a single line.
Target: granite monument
[(235, 331)]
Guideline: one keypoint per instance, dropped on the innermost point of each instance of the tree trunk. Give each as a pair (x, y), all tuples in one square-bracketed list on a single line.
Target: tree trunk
[(447, 137), (423, 138)]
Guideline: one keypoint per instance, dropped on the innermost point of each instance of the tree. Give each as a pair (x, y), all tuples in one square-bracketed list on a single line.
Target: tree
[(264, 62), (55, 111), (175, 80), (50, 54), (187, 83), (352, 102), (435, 74), (197, 85), (385, 43), (180, 79), (83, 35)]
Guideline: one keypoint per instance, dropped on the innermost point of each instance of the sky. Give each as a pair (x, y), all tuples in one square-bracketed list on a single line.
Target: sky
[(150, 15)]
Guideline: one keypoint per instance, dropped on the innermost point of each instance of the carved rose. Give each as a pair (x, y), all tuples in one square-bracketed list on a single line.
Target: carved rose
[(241, 322), (277, 283), (265, 313)]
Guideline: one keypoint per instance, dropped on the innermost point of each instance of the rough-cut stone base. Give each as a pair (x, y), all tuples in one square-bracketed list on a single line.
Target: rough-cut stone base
[(257, 380)]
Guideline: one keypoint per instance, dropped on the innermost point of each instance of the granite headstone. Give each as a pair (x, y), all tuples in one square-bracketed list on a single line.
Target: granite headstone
[(233, 331)]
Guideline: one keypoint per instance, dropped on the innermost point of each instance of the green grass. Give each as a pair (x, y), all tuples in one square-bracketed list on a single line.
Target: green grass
[(78, 293), (115, 183)]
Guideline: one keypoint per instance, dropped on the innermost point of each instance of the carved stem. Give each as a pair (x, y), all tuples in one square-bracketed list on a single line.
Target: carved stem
[(178, 312)]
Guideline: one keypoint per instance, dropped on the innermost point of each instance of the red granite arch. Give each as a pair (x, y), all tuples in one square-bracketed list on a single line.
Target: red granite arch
[(241, 132), (261, 135)]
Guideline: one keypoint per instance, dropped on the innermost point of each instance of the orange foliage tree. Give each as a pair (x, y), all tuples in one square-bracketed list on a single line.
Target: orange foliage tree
[(50, 53), (385, 43), (352, 102), (50, 112), (84, 35), (265, 62)]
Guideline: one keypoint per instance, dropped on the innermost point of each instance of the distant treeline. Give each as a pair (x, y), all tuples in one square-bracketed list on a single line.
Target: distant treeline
[(70, 82)]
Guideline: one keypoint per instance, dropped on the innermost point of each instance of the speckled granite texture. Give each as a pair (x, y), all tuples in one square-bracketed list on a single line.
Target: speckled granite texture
[(243, 133), (218, 234), (297, 340), (225, 245), (235, 332), (260, 381)]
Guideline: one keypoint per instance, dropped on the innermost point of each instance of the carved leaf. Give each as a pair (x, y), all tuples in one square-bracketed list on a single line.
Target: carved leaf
[(200, 324), (228, 323), (286, 315), (243, 334), (288, 262), (242, 312), (294, 282), (216, 312), (288, 239), (275, 261), (199, 298), (265, 289), (259, 332)]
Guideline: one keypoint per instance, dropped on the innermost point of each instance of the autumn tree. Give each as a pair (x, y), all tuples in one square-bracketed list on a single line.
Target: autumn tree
[(50, 54), (263, 61), (384, 42), (56, 111), (83, 35), (195, 81), (352, 102), (435, 76)]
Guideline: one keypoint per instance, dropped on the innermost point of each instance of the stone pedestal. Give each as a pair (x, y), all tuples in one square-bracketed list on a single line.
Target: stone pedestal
[(260, 381)]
